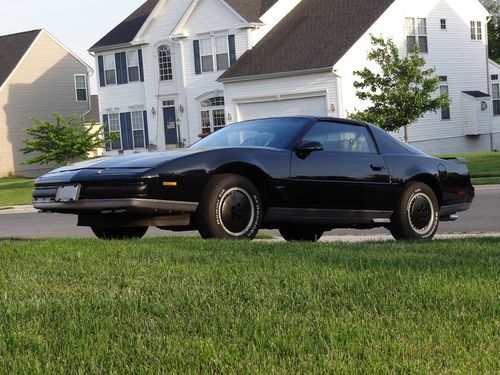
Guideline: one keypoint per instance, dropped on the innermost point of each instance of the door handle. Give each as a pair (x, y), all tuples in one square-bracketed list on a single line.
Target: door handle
[(377, 167)]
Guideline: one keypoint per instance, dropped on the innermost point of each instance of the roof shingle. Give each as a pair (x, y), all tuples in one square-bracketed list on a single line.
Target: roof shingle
[(251, 10), (12, 49), (127, 30), (316, 34)]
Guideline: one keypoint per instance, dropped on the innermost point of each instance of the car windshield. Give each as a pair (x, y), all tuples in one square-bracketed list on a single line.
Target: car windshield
[(273, 133)]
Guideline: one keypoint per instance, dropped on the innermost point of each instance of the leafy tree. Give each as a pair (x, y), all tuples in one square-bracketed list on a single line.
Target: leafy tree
[(63, 142), (493, 6), (401, 92)]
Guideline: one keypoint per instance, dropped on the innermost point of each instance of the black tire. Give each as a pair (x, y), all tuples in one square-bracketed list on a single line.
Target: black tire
[(416, 216), (119, 233), (230, 208), (301, 233)]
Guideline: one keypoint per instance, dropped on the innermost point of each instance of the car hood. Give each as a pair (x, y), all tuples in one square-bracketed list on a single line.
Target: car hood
[(143, 161)]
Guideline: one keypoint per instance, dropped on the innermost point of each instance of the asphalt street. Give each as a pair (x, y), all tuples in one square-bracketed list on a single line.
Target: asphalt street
[(483, 217)]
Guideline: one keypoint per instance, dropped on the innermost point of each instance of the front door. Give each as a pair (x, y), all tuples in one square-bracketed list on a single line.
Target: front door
[(348, 173), (170, 124)]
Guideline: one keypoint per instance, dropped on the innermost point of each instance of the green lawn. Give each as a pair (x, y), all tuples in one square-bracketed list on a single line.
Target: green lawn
[(184, 305), (484, 167), (15, 191)]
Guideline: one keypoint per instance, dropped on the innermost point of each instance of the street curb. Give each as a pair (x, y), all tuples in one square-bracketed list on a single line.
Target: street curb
[(29, 209)]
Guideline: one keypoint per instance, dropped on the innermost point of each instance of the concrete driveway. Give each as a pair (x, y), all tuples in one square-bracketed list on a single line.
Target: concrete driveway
[(25, 222)]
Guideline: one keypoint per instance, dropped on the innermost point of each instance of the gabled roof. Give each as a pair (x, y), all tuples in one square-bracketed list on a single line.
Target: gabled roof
[(128, 29), (12, 49), (251, 10), (315, 35)]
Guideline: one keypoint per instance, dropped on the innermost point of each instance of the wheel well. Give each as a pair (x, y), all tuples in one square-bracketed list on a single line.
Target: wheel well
[(258, 177), (433, 183)]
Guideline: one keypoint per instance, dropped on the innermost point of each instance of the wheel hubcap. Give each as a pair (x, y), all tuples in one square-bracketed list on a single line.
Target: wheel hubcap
[(421, 213), (236, 211)]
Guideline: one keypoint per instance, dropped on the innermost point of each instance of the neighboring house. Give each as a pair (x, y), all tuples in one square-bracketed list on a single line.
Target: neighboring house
[(178, 68), (92, 119), (38, 76)]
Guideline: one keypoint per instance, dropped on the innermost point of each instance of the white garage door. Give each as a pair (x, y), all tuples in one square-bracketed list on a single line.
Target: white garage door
[(306, 106)]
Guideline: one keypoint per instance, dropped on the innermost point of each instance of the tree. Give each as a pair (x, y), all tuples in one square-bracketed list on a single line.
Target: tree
[(63, 142), (493, 6), (402, 92)]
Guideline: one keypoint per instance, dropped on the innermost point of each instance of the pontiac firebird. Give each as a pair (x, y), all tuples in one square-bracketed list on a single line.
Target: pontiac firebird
[(300, 175)]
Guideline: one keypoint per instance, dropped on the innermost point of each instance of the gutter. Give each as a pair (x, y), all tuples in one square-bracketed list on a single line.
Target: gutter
[(276, 75), (114, 47)]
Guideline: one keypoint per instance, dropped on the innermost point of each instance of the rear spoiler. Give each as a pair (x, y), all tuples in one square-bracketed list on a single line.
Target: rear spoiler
[(456, 160)]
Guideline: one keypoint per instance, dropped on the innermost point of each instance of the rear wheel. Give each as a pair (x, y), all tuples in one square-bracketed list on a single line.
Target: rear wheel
[(119, 233), (417, 215), (230, 208), (301, 233)]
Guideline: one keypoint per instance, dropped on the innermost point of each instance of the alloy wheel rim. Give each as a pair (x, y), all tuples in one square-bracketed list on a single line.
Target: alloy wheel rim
[(236, 211), (420, 213)]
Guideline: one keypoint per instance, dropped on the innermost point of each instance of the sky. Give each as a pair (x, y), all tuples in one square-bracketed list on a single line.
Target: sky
[(76, 24)]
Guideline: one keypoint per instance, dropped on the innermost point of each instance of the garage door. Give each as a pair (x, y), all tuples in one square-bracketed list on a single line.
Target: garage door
[(306, 106)]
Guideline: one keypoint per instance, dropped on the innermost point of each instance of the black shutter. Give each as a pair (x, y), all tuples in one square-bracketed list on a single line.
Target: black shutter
[(232, 50), (141, 66), (146, 131), (105, 121), (126, 127), (197, 60), (102, 77), (121, 68)]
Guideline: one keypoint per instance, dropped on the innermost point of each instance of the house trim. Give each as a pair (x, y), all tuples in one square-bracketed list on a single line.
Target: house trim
[(328, 69), (177, 32)]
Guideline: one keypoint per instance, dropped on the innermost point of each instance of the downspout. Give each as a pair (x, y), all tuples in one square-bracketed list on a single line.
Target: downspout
[(88, 88), (488, 77)]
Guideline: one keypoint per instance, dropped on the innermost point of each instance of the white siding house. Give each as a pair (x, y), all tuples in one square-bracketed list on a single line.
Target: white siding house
[(177, 68)]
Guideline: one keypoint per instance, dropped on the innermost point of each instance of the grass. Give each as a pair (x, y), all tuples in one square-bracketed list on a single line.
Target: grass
[(184, 305), (15, 191), (484, 167)]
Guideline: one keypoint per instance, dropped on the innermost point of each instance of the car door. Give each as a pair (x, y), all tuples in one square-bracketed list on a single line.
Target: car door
[(348, 173)]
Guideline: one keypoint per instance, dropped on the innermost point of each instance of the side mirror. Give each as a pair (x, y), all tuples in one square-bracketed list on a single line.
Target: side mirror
[(307, 147)]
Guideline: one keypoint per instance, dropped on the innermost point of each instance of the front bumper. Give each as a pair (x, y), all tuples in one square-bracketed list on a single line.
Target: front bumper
[(122, 205)]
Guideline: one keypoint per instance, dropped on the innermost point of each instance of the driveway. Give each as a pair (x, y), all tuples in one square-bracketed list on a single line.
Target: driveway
[(483, 217)]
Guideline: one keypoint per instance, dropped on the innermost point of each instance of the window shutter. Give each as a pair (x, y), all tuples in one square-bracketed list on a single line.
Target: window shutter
[(105, 121), (121, 68), (141, 66), (126, 127), (197, 59), (146, 131), (102, 78), (232, 50)]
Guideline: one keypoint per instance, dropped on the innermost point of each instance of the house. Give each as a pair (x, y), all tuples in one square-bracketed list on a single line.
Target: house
[(175, 69), (38, 76), (92, 119)]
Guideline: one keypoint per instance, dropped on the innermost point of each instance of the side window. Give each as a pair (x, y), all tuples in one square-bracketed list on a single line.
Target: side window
[(337, 137)]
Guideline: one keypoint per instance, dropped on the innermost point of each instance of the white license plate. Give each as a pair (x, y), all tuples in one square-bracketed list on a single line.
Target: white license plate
[(68, 194)]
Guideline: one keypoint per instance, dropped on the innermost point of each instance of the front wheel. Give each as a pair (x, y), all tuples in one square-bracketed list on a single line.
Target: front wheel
[(119, 233), (417, 215), (301, 233), (230, 208)]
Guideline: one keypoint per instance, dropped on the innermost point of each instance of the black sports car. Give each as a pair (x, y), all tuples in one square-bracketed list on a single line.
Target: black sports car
[(301, 175)]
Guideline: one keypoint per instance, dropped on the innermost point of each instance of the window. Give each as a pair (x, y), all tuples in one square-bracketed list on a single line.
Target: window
[(206, 53), (496, 99), (444, 90), (114, 128), (476, 30), (81, 88), (494, 77), (337, 137), (138, 129), (165, 63), (133, 66), (443, 24), (222, 52), (213, 114), (416, 34), (110, 69)]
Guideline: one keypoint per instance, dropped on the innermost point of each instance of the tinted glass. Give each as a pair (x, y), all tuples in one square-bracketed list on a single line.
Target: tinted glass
[(337, 137), (273, 133)]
